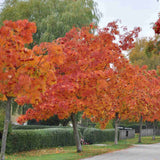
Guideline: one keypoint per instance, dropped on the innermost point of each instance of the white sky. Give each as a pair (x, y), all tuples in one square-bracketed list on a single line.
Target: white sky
[(132, 13)]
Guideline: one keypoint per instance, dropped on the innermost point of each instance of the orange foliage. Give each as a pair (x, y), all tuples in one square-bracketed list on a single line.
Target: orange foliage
[(95, 77), (24, 73)]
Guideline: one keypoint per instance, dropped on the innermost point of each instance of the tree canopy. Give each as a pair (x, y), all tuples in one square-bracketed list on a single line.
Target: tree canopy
[(53, 17), (24, 72), (145, 52)]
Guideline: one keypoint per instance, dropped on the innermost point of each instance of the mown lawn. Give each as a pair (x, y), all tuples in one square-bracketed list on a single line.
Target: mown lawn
[(69, 153)]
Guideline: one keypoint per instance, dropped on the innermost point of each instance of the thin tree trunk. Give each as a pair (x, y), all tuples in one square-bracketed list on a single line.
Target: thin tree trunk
[(140, 129), (116, 129), (76, 134), (5, 130), (154, 130)]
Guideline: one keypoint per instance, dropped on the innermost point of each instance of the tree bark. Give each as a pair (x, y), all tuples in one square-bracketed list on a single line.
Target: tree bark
[(76, 134), (140, 129), (154, 130), (116, 129), (5, 130)]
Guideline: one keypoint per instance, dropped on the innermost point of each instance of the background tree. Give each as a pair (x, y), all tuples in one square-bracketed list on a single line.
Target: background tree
[(145, 52), (54, 17)]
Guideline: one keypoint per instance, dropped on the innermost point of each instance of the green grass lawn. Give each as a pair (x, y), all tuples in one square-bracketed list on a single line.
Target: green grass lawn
[(69, 153)]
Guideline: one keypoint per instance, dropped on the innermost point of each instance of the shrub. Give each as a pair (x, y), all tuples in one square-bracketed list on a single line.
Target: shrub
[(25, 140), (92, 135), (81, 129), (26, 127)]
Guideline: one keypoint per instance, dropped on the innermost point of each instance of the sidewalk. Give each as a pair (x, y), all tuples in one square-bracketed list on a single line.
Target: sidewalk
[(138, 152)]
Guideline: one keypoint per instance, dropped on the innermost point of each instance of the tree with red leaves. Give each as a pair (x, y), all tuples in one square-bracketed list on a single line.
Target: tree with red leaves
[(24, 74), (91, 62)]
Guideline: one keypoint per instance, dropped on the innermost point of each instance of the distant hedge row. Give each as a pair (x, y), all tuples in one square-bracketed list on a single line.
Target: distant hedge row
[(26, 127), (25, 140), (28, 139), (92, 135)]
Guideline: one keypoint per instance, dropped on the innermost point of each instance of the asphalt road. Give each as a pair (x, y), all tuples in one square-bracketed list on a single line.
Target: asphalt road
[(138, 152)]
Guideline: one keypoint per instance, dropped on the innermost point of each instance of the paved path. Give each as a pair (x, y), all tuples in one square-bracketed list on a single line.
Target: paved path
[(138, 152)]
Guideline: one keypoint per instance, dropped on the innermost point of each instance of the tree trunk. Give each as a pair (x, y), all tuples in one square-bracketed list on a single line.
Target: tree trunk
[(140, 129), (76, 134), (5, 130), (116, 129), (154, 130)]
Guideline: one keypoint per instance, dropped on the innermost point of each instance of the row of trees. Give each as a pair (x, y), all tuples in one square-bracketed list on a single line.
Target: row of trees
[(80, 63), (53, 18), (147, 52), (80, 72), (99, 81)]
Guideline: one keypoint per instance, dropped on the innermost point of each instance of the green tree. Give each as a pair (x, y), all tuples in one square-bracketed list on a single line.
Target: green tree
[(145, 52), (53, 17)]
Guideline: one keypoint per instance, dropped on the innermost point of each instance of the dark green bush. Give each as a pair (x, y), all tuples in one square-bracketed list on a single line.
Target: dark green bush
[(25, 140), (92, 135), (24, 127), (81, 129), (36, 127)]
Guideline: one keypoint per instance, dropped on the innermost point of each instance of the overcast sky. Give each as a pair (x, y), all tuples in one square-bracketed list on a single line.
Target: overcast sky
[(132, 13)]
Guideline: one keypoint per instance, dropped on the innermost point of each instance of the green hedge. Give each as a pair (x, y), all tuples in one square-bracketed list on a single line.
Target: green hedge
[(25, 140), (92, 135), (26, 127), (28, 139), (82, 129)]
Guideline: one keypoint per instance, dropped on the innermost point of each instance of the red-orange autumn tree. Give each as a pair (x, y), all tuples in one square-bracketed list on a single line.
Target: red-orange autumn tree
[(23, 73), (154, 103), (84, 76), (120, 94), (139, 97), (145, 91)]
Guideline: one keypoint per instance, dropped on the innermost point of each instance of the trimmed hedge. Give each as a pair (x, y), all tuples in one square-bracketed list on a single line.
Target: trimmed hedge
[(26, 127), (92, 135), (82, 129), (25, 140)]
